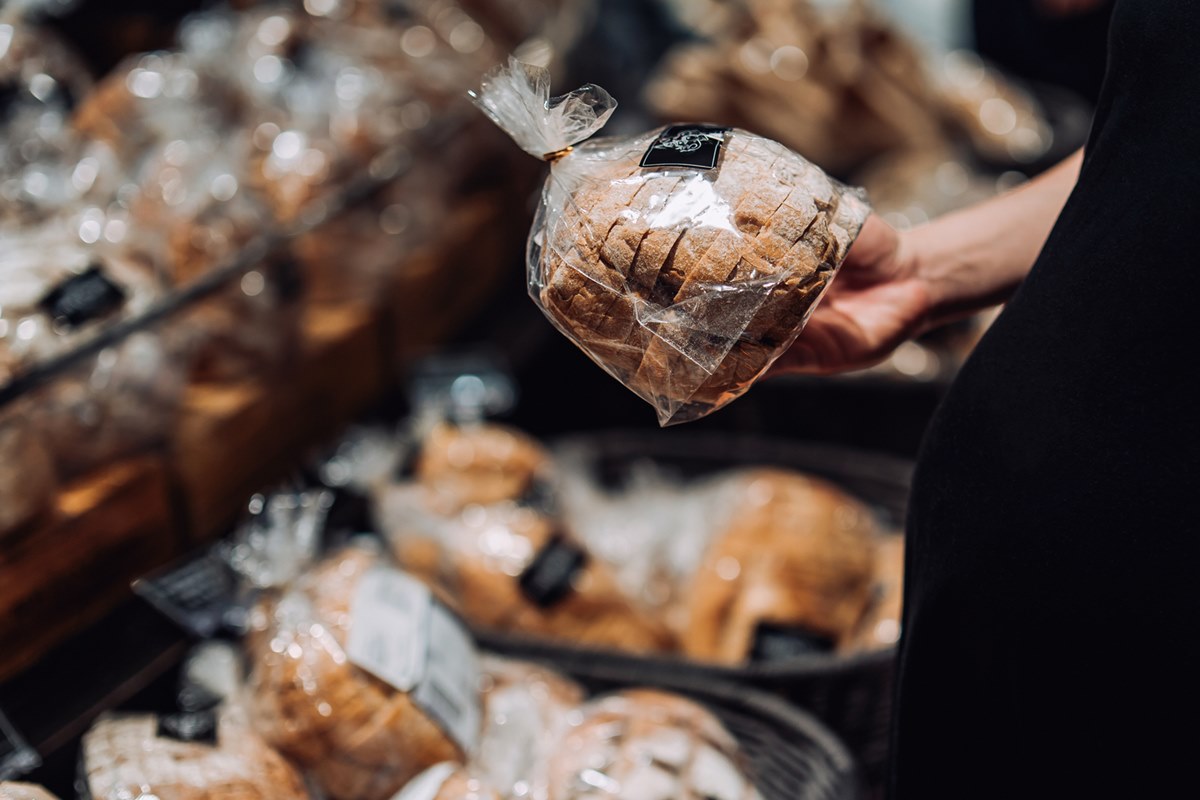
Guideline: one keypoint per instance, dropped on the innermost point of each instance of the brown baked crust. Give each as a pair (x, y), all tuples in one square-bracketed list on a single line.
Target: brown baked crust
[(796, 552), (358, 737), (481, 580), (643, 737), (688, 305), (481, 464), (125, 758), (880, 626)]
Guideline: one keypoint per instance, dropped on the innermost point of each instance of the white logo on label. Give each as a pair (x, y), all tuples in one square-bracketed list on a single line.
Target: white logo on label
[(684, 142)]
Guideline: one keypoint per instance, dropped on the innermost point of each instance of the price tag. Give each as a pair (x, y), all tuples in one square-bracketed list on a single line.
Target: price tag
[(402, 636)]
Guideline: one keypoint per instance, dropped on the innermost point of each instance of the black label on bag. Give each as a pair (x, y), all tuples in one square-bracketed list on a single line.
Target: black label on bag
[(548, 579), (84, 297), (196, 727), (196, 595), (779, 642), (696, 146)]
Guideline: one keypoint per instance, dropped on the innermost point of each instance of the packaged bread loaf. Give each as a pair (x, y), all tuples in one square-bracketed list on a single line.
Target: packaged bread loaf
[(142, 756), (447, 781), (515, 569), (643, 744), (526, 711), (40, 83), (23, 791), (788, 572), (361, 679), (683, 261), (119, 403), (55, 291), (480, 463)]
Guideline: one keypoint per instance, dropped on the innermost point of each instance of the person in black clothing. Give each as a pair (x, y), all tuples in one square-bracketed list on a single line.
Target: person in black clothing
[(1051, 634)]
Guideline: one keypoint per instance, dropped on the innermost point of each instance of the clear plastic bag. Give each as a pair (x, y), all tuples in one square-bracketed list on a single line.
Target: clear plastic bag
[(527, 709), (642, 743), (512, 568), (447, 781), (24, 791), (683, 261), (788, 570), (362, 737), (138, 756)]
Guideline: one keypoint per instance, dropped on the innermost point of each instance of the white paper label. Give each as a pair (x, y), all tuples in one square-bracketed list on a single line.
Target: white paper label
[(450, 688), (390, 619), (401, 636), (427, 785)]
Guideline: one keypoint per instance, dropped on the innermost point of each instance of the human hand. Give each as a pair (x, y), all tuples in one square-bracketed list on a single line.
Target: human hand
[(877, 301)]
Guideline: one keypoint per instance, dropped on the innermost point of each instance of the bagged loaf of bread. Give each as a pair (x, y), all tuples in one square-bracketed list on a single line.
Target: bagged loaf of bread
[(183, 758), (643, 744), (23, 791), (360, 678), (513, 568), (447, 781), (683, 261), (479, 463), (526, 711), (787, 572)]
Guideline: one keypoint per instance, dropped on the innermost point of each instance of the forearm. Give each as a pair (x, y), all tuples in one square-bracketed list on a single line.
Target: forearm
[(976, 257)]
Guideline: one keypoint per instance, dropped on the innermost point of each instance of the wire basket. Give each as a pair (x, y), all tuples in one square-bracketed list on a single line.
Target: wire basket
[(852, 694), (791, 755)]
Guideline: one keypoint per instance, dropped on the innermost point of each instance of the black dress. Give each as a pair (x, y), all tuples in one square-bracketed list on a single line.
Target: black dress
[(1052, 624)]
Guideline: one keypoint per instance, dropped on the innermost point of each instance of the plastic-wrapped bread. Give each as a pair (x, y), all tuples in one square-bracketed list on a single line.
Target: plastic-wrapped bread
[(683, 261), (361, 679), (40, 83), (514, 569), (526, 711), (121, 402), (789, 572), (643, 744), (55, 290), (151, 100), (447, 781), (880, 626), (23, 791), (138, 756), (480, 464)]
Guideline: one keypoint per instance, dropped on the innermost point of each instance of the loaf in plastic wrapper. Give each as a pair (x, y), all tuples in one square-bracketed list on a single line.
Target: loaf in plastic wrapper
[(787, 572), (55, 291), (683, 261), (644, 744), (479, 463), (40, 83), (526, 711), (513, 568), (135, 757), (23, 791), (361, 679), (120, 403), (448, 781)]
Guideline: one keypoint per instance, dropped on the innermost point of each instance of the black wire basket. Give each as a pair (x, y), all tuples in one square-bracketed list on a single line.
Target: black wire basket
[(852, 694), (791, 756)]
